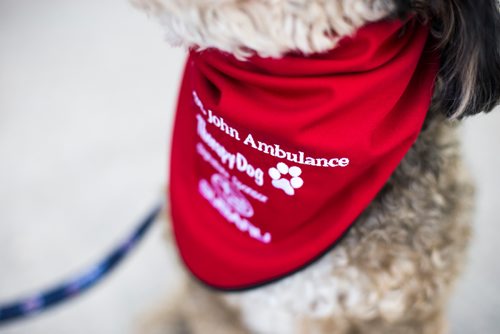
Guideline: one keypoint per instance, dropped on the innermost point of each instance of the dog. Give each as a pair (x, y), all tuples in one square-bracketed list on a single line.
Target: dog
[(394, 269)]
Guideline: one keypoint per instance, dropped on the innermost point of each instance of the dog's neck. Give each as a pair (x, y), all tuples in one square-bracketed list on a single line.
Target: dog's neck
[(269, 28)]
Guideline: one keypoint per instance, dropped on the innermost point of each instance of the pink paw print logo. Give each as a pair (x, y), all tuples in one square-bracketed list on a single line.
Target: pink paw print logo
[(288, 185)]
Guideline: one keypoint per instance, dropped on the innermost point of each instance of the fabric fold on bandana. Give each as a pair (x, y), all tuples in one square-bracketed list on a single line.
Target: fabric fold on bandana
[(274, 159)]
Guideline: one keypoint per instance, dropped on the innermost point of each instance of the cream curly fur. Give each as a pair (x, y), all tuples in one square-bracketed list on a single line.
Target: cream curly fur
[(268, 27), (394, 270), (396, 264)]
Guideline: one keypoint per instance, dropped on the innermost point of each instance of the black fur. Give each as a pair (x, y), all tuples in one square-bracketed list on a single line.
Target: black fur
[(403, 8), (468, 33)]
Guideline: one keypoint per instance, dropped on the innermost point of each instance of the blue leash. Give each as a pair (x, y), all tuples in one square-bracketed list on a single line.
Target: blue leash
[(76, 285)]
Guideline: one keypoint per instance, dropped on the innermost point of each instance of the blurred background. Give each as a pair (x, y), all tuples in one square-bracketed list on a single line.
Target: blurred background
[(87, 91)]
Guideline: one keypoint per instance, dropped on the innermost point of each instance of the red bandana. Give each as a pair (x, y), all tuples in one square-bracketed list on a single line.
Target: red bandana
[(274, 159)]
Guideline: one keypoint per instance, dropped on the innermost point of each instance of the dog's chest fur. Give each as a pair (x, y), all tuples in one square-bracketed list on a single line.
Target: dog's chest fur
[(395, 265), (399, 256)]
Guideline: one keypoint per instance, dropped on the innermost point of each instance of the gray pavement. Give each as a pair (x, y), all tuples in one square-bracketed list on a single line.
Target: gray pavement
[(87, 91)]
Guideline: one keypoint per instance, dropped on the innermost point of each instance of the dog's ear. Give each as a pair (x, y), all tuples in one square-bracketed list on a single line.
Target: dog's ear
[(468, 32)]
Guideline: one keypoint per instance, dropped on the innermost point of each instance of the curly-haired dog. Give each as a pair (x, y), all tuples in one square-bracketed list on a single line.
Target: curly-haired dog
[(394, 269)]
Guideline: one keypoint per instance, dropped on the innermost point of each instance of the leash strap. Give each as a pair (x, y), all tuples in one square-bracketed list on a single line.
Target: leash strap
[(76, 285)]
